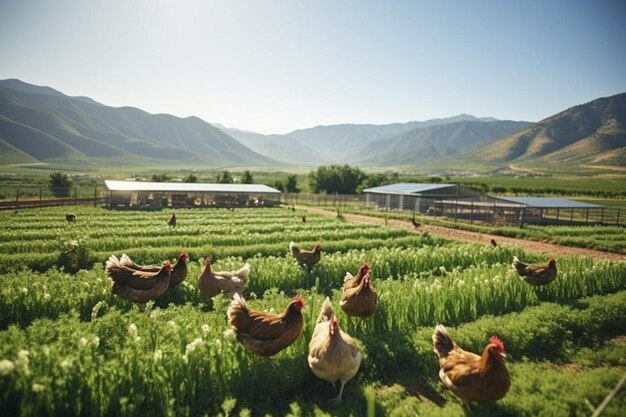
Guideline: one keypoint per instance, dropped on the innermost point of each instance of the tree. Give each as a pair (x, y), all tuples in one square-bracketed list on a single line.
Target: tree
[(247, 178), (160, 177), (374, 180), (60, 184), (191, 178), (291, 185), (336, 179), (279, 186), (224, 177)]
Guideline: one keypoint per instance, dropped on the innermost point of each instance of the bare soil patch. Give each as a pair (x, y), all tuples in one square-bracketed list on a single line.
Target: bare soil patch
[(467, 236)]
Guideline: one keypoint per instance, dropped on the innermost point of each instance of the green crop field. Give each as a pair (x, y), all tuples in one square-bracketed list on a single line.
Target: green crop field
[(68, 346)]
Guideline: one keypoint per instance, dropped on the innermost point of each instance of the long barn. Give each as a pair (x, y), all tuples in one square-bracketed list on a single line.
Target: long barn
[(157, 195)]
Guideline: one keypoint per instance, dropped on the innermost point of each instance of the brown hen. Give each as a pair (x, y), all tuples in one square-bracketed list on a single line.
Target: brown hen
[(536, 274), (265, 333), (304, 257), (350, 281), (470, 376), (226, 282), (179, 270), (360, 301), (137, 286)]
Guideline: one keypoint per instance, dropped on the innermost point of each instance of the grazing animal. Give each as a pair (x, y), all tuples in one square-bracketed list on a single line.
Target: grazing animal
[(137, 286), (70, 217), (228, 283), (179, 270), (303, 219), (415, 223), (333, 355), (536, 274), (306, 258), (172, 221), (265, 333), (470, 376), (359, 298), (494, 243)]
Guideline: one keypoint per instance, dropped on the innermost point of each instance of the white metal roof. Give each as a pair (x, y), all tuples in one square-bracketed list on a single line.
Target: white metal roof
[(549, 202), (189, 187), (406, 188)]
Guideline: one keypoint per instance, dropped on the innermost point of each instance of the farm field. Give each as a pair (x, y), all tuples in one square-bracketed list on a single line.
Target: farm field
[(604, 238), (68, 346)]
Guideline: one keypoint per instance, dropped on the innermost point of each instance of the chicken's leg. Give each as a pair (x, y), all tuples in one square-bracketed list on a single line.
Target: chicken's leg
[(338, 398)]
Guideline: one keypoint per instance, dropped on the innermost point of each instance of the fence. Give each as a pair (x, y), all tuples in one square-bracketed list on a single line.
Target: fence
[(31, 197), (481, 209)]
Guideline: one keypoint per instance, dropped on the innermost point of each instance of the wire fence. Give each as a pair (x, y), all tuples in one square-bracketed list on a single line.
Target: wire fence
[(481, 209)]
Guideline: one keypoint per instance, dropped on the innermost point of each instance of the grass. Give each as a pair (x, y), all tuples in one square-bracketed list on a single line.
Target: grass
[(68, 346)]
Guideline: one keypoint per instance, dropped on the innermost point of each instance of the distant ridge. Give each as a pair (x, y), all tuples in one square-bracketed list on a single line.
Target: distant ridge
[(42, 124), (590, 133)]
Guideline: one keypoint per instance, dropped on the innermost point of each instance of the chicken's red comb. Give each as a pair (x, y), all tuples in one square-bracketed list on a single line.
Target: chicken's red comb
[(298, 299), (366, 266), (167, 265), (496, 341)]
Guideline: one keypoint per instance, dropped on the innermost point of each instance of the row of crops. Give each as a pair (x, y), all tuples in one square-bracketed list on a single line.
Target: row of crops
[(70, 347)]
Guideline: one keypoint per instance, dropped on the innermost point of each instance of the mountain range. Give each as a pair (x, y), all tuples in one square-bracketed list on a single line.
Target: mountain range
[(43, 125)]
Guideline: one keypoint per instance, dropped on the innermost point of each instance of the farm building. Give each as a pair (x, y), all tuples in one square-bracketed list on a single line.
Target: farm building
[(548, 210), (156, 195), (414, 196), (458, 203)]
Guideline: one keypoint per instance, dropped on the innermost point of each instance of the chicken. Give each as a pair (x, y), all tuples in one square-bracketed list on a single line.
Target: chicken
[(332, 353), (172, 221), (362, 300), (265, 333), (179, 270), (494, 243), (470, 376), (306, 258), (350, 281), (212, 283), (415, 223), (135, 285), (70, 217), (535, 274)]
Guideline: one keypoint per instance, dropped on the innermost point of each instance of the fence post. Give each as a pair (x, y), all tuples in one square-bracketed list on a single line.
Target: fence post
[(617, 219), (557, 215), (471, 212), (75, 196), (456, 208), (601, 216), (95, 195), (17, 199)]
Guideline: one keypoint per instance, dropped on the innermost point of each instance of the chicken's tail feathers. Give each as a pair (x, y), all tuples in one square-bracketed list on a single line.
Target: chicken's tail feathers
[(326, 311), (442, 344), (236, 305), (112, 262), (348, 277), (244, 272), (517, 264), (293, 248)]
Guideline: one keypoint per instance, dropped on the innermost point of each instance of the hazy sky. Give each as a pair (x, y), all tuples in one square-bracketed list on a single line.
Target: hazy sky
[(275, 66)]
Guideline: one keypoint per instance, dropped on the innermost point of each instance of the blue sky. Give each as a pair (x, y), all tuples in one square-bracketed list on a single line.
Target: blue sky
[(275, 66)]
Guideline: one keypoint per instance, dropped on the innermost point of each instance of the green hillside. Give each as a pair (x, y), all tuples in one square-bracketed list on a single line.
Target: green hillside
[(45, 125)]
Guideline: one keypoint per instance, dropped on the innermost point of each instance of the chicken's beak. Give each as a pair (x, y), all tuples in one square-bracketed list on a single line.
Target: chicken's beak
[(502, 355)]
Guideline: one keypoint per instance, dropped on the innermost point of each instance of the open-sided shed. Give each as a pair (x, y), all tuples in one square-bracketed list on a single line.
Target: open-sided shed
[(551, 210), (415, 196), (156, 195)]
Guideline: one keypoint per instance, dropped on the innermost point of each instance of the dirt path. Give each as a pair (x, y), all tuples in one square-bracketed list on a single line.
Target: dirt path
[(467, 236)]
